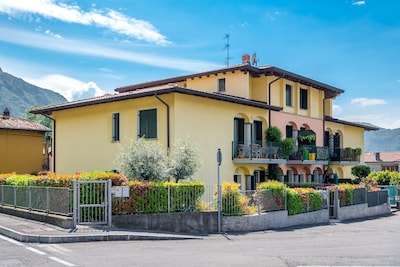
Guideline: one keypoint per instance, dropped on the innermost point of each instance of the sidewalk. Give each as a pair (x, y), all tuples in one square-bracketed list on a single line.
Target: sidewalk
[(25, 230)]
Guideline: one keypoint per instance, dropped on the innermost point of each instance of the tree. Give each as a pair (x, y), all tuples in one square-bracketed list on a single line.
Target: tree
[(143, 160), (184, 160), (360, 171)]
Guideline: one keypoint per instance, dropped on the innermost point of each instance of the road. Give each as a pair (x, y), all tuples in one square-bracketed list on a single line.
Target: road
[(373, 242)]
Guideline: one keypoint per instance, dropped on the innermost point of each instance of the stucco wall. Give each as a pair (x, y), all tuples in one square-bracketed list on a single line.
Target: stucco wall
[(21, 151)]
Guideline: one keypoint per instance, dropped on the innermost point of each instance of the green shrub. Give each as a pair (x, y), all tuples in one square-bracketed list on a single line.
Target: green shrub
[(294, 202), (152, 197), (273, 195)]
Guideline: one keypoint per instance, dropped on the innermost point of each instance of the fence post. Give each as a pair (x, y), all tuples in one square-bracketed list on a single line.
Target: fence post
[(47, 200), (109, 199), (74, 203), (336, 203), (15, 196), (30, 197), (169, 199)]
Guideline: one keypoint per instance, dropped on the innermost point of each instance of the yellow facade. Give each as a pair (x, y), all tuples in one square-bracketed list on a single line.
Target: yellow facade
[(21, 151), (214, 119)]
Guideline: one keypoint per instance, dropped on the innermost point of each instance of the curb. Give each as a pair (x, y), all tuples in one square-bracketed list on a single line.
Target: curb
[(53, 239)]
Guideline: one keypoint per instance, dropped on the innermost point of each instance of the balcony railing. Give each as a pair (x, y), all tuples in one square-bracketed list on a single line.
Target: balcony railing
[(274, 151), (256, 151), (345, 154)]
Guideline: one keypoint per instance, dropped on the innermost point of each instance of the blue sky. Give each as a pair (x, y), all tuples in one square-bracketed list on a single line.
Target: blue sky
[(84, 48)]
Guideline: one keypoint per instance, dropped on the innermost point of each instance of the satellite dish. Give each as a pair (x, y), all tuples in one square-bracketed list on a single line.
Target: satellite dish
[(254, 59)]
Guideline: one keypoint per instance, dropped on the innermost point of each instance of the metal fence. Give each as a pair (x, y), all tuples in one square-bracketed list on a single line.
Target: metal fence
[(56, 200), (233, 202)]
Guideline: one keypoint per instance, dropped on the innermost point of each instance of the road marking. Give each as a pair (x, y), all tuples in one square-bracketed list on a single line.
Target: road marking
[(11, 240), (37, 251), (66, 263)]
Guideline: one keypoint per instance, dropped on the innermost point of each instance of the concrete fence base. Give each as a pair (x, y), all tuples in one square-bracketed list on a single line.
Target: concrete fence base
[(272, 220), (61, 221), (362, 211)]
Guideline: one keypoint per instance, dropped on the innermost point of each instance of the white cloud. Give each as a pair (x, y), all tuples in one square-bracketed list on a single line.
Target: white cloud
[(336, 110), (358, 3), (70, 88), (64, 45), (110, 19), (368, 102), (48, 32)]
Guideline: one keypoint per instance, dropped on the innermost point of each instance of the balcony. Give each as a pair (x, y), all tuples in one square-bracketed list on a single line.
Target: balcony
[(273, 153), (348, 154)]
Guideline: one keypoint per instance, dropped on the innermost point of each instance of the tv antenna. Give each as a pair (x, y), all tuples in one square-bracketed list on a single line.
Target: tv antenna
[(254, 59), (227, 50)]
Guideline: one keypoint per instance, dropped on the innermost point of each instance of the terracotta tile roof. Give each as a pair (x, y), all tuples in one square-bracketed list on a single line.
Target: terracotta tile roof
[(383, 156), (366, 127), (151, 91), (268, 70), (14, 123)]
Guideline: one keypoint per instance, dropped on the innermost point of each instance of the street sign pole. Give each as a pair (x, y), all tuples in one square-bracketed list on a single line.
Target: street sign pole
[(219, 160)]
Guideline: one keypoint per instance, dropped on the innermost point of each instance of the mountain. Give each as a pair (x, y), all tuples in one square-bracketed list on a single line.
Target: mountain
[(382, 140), (18, 95)]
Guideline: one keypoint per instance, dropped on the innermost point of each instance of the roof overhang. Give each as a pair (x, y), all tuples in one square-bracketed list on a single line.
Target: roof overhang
[(47, 110), (355, 124), (330, 91)]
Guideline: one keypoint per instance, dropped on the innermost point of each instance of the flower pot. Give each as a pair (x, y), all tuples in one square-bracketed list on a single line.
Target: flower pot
[(311, 156), (305, 154)]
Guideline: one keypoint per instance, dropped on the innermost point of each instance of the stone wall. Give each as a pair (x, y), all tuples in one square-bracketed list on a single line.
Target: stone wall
[(362, 211), (272, 220), (196, 222)]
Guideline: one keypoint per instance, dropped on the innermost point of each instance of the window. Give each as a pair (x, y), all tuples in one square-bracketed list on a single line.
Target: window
[(258, 132), (289, 131), (221, 85), (148, 123), (303, 98), (115, 127), (289, 95)]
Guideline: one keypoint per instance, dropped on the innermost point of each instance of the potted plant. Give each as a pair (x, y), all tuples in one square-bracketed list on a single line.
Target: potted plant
[(273, 134)]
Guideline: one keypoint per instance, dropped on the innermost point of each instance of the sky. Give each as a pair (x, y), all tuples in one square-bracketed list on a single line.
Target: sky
[(87, 48)]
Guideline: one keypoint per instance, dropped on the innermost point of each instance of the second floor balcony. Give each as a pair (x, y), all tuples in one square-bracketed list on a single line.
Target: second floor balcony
[(274, 153)]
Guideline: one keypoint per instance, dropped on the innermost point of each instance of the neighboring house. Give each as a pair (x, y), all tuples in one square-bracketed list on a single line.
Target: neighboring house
[(228, 108), (21, 144), (383, 161)]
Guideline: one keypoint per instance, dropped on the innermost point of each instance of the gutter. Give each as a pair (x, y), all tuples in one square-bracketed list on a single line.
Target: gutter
[(168, 122)]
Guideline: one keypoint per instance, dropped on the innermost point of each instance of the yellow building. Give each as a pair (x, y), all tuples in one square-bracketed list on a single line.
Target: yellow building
[(228, 108), (21, 144)]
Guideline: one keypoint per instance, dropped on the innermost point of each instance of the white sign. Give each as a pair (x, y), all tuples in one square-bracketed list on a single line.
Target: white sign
[(120, 191)]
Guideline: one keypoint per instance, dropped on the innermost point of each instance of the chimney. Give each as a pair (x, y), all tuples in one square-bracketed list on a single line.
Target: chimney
[(246, 59), (377, 156), (6, 114)]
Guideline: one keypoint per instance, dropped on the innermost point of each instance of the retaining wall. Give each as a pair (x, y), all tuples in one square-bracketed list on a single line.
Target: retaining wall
[(194, 222), (272, 220), (61, 221), (362, 211)]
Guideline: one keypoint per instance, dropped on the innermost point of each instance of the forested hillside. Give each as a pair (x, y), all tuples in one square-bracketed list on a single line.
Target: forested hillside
[(18, 95)]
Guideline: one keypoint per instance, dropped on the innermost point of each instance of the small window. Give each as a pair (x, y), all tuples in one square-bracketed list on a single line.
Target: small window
[(303, 98), (148, 123), (289, 95), (115, 127), (221, 85)]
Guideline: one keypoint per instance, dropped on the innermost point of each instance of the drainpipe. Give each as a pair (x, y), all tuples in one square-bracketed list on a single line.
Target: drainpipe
[(168, 123), (54, 141), (269, 100)]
